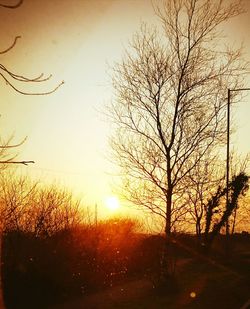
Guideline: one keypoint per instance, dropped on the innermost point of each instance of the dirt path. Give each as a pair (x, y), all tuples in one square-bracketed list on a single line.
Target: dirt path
[(119, 296), (112, 297)]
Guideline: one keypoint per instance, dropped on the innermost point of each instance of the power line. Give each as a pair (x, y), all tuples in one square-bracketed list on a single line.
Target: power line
[(56, 171)]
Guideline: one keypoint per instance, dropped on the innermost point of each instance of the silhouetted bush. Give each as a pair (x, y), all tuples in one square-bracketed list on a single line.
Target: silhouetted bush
[(38, 271)]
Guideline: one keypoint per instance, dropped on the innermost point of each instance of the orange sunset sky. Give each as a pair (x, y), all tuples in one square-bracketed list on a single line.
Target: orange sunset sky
[(78, 41)]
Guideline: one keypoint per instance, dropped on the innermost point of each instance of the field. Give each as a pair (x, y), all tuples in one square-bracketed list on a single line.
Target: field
[(78, 270)]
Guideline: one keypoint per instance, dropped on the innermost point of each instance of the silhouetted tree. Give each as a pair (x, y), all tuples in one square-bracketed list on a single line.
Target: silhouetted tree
[(238, 165), (170, 96), (31, 207), (203, 182), (237, 187), (10, 77)]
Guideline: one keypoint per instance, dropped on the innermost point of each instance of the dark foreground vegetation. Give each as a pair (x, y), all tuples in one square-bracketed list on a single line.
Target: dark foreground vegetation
[(71, 264)]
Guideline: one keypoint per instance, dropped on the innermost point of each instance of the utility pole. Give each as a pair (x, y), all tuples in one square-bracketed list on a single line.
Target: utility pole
[(228, 150), (96, 215)]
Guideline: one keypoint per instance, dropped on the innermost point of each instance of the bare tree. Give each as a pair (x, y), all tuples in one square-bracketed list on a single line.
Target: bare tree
[(29, 206), (238, 164), (53, 210), (15, 196), (6, 155), (11, 6), (170, 94), (240, 222), (11, 79), (201, 183)]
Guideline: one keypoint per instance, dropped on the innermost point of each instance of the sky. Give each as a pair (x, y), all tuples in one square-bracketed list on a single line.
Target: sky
[(78, 41)]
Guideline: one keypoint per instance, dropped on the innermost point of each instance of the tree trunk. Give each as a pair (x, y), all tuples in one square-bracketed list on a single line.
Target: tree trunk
[(198, 230), (169, 261), (234, 220), (168, 213), (169, 196)]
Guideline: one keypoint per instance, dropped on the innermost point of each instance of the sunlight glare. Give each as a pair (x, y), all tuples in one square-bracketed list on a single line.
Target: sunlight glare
[(112, 203)]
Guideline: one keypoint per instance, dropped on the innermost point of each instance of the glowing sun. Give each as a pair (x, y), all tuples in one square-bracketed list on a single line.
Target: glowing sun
[(112, 203)]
